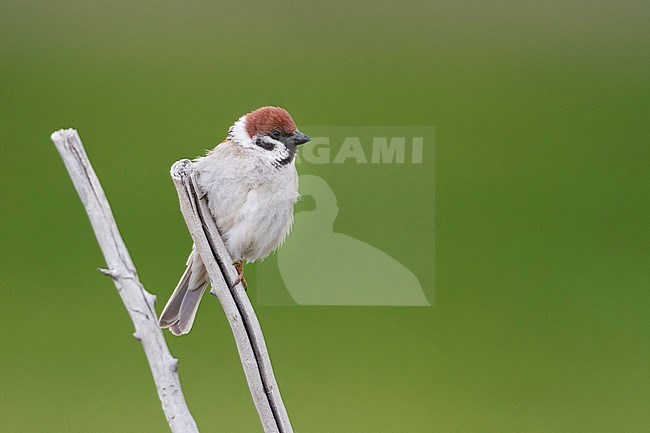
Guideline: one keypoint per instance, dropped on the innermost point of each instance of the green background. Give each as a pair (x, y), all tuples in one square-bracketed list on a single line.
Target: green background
[(541, 110)]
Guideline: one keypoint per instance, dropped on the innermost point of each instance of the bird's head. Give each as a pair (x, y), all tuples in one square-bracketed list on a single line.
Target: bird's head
[(269, 131)]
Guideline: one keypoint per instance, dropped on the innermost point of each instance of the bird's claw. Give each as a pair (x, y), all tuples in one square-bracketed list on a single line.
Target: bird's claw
[(240, 275)]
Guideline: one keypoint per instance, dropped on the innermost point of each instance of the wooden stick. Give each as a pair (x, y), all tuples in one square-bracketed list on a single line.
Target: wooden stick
[(234, 300), (138, 302)]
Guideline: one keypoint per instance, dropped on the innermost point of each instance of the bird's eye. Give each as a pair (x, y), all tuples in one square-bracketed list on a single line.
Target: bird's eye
[(275, 133)]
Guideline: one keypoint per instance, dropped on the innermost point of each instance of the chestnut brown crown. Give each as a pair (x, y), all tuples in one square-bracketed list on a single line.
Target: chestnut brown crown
[(266, 119)]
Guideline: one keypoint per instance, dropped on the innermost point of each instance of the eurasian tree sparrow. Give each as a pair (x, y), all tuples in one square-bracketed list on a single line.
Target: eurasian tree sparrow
[(251, 184)]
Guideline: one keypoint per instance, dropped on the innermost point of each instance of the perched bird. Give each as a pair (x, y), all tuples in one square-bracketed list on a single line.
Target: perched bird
[(251, 184)]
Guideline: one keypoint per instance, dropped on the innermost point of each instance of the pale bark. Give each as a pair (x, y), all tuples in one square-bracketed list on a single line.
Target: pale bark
[(234, 300), (138, 302)]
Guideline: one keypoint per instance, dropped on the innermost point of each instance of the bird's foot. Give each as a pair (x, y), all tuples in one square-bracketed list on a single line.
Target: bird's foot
[(239, 265)]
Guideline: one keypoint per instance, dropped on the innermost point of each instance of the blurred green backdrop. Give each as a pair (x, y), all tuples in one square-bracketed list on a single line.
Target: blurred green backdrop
[(541, 112)]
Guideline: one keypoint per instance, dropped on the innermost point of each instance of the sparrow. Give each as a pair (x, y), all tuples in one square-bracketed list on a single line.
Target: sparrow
[(251, 184)]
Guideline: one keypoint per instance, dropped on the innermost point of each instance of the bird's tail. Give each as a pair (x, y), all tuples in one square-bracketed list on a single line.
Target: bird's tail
[(178, 315)]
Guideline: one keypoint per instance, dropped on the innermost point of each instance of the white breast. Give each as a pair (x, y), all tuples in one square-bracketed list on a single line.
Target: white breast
[(250, 198)]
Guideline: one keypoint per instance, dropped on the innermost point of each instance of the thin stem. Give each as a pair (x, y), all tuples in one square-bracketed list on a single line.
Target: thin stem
[(138, 302)]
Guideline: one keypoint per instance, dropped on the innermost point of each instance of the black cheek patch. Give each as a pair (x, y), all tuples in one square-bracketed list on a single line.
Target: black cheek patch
[(264, 144)]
